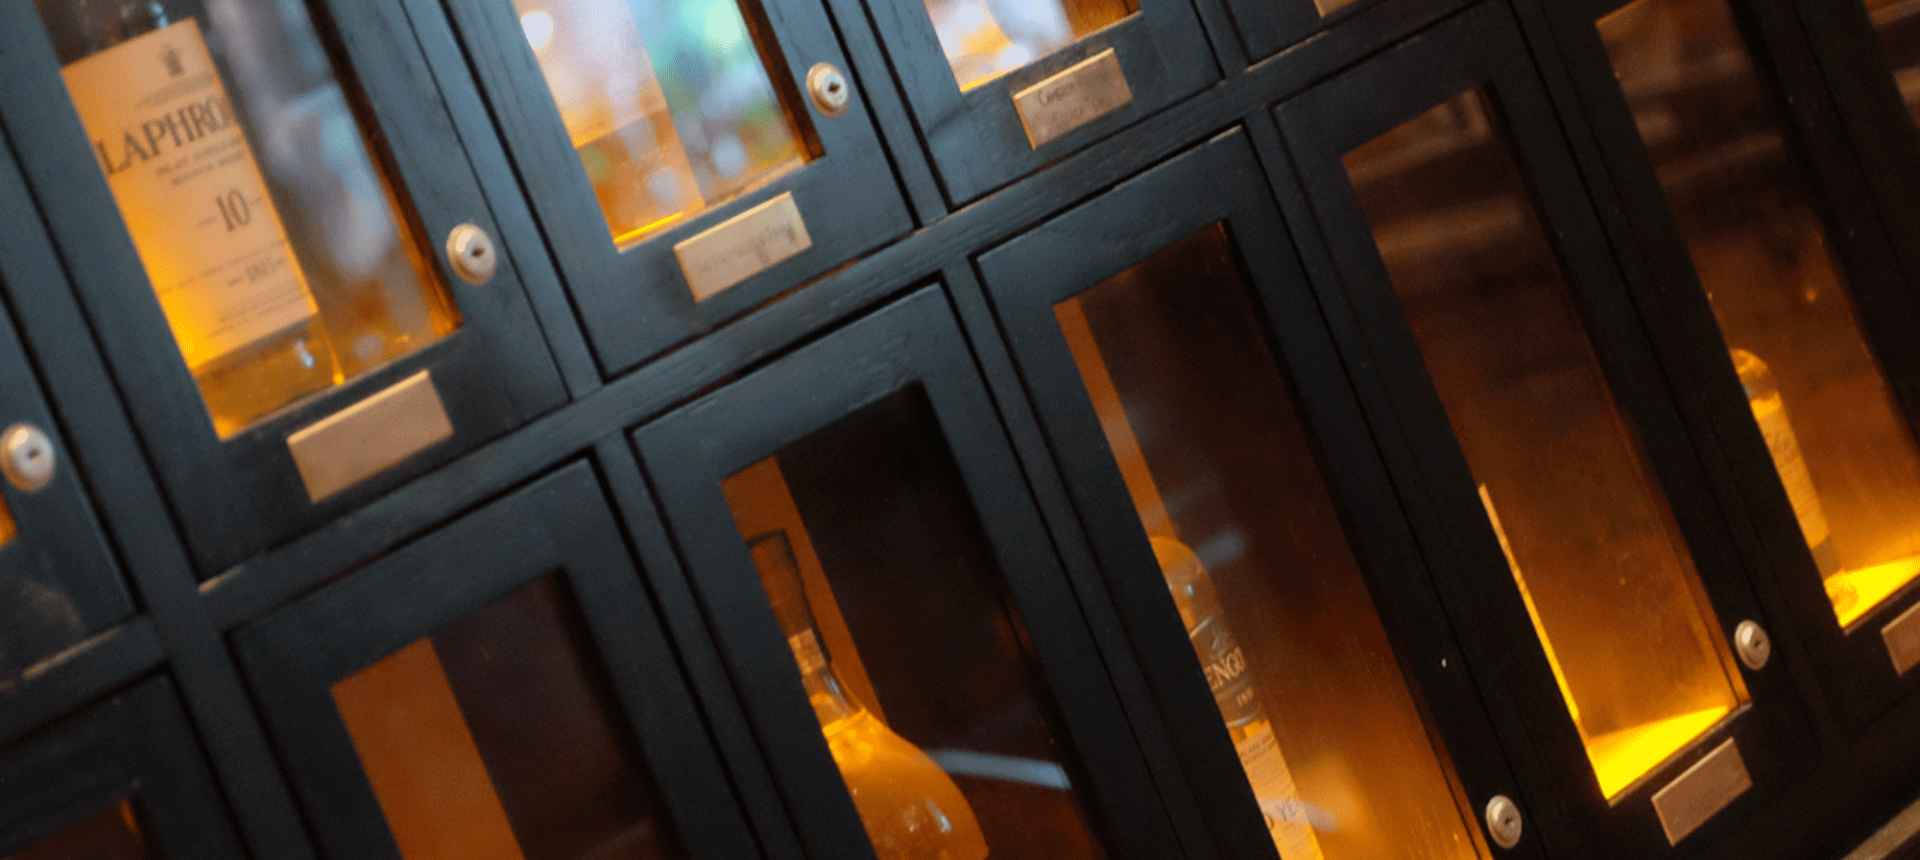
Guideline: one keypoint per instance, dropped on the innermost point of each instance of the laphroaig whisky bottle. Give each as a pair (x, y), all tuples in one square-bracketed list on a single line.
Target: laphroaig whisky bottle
[(1770, 412), (910, 807), (1232, 682), (185, 179)]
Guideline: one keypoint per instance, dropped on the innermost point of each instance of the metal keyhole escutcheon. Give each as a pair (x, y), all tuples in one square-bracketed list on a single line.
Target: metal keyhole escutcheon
[(829, 89), (28, 457), (1503, 821), (1750, 639), (470, 252)]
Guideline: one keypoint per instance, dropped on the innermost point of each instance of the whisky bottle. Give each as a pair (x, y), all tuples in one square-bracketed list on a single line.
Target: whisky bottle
[(1769, 411), (912, 810), (1289, 819), (165, 134), (615, 112)]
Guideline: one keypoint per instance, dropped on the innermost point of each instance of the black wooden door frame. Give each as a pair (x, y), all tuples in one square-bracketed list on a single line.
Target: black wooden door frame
[(493, 373), (914, 343), (1482, 48), (1027, 276)]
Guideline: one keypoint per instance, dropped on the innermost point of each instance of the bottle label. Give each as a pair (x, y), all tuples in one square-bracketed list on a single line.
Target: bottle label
[(1228, 674), (1771, 415), (192, 196), (1279, 798), (807, 652)]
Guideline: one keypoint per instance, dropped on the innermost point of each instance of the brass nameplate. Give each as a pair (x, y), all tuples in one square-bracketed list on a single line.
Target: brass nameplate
[(1701, 792), (746, 245), (364, 439), (1093, 88), (1902, 636)]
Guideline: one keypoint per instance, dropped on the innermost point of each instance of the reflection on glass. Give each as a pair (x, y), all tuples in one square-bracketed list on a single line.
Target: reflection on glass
[(986, 38), (666, 124), (275, 245), (1844, 451), (1590, 540), (1898, 24), (465, 767), (914, 661), (38, 619), (1223, 476), (110, 834)]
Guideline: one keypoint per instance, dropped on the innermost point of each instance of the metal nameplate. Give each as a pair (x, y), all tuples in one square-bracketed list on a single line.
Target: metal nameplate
[(1091, 89), (746, 245), (1701, 792), (366, 438), (1902, 636)]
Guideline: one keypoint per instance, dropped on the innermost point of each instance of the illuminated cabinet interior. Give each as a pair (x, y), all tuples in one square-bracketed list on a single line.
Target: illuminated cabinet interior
[(960, 429)]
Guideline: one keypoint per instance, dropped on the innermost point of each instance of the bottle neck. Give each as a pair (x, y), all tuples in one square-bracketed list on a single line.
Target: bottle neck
[(830, 702)]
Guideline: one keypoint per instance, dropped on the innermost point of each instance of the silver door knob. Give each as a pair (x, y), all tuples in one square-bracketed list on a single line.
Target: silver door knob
[(1504, 823), (1753, 645), (470, 252), (27, 456), (829, 89)]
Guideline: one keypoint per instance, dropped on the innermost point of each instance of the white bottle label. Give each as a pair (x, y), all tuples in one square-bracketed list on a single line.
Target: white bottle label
[(193, 198), (1279, 798), (1771, 415)]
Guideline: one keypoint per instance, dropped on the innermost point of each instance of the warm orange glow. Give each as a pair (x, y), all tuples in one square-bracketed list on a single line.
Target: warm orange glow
[(636, 234), (761, 502), (420, 758), (1113, 419), (1621, 757), (1869, 586)]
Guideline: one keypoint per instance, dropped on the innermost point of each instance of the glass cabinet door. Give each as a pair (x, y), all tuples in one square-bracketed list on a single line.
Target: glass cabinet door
[(1195, 458), (1547, 444), (281, 258), (59, 581), (122, 780), (1797, 312), (689, 159), (499, 689), (999, 88), (888, 603)]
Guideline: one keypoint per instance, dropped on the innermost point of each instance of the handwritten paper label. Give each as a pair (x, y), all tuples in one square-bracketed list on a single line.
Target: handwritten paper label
[(1089, 90), (746, 245)]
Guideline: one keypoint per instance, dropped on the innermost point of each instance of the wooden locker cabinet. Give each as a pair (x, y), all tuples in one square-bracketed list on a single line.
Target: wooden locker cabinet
[(597, 428)]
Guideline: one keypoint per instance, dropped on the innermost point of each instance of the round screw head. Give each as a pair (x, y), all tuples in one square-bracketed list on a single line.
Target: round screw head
[(829, 89), (27, 456), (1504, 823), (1750, 640), (470, 252)]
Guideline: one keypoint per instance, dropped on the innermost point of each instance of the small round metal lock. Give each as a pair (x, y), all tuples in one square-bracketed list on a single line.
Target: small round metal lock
[(26, 455), (1503, 821), (1750, 639), (470, 251), (829, 88)]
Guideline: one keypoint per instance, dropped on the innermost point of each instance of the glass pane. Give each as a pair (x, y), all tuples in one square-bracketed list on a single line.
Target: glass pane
[(666, 124), (466, 769), (887, 591), (1840, 443), (110, 834), (984, 39), (1224, 479), (276, 246), (1590, 540), (1898, 24), (38, 618)]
